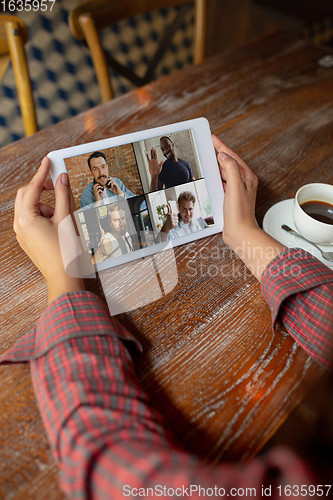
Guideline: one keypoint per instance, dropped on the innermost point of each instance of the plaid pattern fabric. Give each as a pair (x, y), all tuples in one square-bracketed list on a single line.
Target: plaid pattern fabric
[(106, 436), (299, 291), (86, 313), (109, 440)]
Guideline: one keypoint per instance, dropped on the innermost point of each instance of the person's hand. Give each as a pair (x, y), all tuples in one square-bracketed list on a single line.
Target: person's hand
[(111, 185), (240, 188), (170, 222), (36, 228), (98, 192), (154, 166), (105, 245), (241, 231)]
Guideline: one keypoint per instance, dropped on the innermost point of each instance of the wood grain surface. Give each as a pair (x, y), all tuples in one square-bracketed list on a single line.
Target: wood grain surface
[(222, 379)]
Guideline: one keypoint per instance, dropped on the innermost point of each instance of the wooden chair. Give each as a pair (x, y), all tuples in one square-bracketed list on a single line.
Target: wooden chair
[(13, 36), (92, 15)]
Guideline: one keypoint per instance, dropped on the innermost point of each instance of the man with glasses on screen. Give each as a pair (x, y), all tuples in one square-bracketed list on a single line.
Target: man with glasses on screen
[(181, 224), (103, 189)]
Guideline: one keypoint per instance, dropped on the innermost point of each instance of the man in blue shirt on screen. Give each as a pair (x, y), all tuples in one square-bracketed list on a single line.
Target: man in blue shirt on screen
[(172, 172), (104, 189)]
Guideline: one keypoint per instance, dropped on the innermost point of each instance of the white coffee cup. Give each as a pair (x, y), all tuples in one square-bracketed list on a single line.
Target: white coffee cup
[(307, 226)]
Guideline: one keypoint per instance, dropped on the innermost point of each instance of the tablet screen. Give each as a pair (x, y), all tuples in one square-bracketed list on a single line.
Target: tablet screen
[(137, 195)]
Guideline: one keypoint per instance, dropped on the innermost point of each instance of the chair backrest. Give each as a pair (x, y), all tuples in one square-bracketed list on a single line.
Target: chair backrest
[(93, 15), (13, 36)]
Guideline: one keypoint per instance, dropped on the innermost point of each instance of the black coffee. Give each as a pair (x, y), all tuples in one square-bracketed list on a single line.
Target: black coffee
[(319, 210)]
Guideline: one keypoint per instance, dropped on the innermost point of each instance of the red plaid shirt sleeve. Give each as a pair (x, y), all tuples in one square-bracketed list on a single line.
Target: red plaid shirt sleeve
[(299, 290), (106, 436)]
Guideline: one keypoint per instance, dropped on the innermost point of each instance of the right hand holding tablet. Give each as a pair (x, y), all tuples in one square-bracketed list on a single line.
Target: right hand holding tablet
[(240, 188), (241, 231)]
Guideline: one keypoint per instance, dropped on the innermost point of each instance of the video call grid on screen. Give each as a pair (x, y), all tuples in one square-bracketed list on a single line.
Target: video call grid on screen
[(130, 221)]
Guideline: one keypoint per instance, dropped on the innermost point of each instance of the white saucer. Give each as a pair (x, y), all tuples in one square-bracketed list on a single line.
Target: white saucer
[(281, 213)]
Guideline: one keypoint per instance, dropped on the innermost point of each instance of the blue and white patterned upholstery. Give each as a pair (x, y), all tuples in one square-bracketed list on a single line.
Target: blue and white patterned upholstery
[(62, 73)]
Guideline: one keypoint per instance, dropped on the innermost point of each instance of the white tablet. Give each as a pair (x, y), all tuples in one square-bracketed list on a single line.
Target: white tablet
[(141, 193)]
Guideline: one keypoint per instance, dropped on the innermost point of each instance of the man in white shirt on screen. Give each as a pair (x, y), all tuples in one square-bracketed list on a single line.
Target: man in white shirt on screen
[(181, 224)]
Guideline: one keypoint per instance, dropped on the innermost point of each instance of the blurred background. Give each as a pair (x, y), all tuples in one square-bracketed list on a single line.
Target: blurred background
[(63, 77)]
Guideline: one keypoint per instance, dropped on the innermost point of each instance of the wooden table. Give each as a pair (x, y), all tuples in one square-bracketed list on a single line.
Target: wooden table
[(223, 381)]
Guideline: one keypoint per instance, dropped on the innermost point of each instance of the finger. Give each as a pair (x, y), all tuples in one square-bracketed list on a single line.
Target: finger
[(18, 206), (46, 210), (62, 198), (110, 182), (48, 184), (220, 158), (35, 186), (248, 177), (236, 178), (221, 147), (19, 197), (230, 172), (168, 208)]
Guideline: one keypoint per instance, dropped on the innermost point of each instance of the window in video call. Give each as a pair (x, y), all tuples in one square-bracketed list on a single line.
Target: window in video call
[(136, 195)]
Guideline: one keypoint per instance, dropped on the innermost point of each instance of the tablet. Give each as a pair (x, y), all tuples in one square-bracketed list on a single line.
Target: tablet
[(144, 192)]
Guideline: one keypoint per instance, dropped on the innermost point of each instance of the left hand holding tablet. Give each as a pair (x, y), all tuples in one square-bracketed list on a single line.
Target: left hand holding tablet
[(36, 227)]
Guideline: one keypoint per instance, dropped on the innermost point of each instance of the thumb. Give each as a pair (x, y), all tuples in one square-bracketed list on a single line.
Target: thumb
[(230, 171), (62, 197)]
